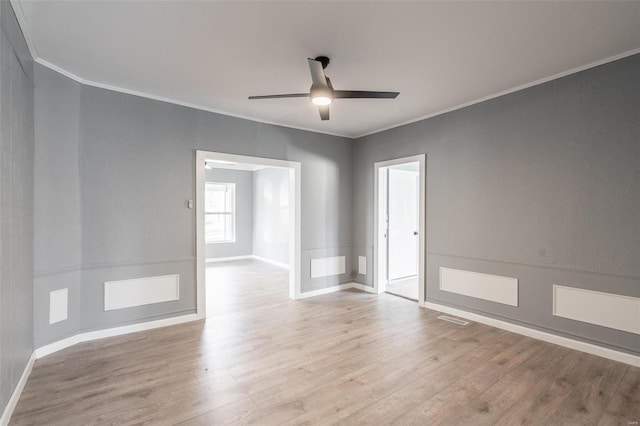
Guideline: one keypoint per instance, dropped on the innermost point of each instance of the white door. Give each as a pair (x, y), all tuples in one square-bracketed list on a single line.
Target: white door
[(403, 212)]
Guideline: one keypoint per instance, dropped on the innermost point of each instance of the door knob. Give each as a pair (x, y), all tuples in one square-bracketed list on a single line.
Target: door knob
[(415, 232)]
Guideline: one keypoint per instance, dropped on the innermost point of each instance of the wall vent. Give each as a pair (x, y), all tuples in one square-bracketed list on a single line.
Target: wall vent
[(453, 320)]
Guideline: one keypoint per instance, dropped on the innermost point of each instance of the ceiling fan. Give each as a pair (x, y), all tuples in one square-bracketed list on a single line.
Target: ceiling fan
[(322, 92)]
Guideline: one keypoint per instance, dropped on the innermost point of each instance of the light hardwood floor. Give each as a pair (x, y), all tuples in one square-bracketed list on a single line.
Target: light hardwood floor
[(347, 357)]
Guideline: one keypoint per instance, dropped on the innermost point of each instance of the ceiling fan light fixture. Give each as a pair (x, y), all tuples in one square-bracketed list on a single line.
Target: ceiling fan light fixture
[(321, 100), (321, 95)]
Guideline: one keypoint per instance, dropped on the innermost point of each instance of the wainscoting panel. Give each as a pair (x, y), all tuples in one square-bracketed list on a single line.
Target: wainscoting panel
[(140, 291), (599, 308), (362, 265), (327, 266), (58, 305), (494, 288)]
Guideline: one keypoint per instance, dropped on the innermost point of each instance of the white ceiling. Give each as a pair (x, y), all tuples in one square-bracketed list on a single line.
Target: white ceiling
[(213, 54)]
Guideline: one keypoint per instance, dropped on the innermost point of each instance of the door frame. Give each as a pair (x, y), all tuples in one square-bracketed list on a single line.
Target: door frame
[(294, 168), (380, 257)]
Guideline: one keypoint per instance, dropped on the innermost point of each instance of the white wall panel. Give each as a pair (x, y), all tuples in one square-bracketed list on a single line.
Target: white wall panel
[(362, 265), (605, 309), (140, 291), (327, 266), (494, 288), (58, 305)]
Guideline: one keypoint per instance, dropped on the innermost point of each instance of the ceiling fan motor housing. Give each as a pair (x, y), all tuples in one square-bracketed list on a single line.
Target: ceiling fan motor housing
[(323, 60)]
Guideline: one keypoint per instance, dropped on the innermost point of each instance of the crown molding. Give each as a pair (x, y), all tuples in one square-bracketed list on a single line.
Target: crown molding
[(124, 90), (507, 91), (22, 22), (34, 53)]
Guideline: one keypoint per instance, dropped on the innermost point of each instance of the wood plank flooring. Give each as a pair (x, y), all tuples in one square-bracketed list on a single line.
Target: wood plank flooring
[(343, 358)]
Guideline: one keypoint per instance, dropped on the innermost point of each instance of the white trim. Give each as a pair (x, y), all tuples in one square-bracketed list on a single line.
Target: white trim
[(123, 294), (326, 290), (393, 126), (362, 265), (328, 266), (226, 259), (79, 338), (295, 181), (145, 95), (363, 287), (17, 8), (22, 22), (379, 250), (480, 285), (567, 342), (272, 262), (17, 391), (610, 310), (165, 322), (505, 92), (58, 305), (249, 256), (111, 332)]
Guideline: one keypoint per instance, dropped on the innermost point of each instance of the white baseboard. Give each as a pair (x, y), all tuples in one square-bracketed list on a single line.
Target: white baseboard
[(363, 287), (273, 262), (226, 259), (335, 288), (15, 396), (540, 335), (117, 331), (111, 332), (83, 337), (249, 256), (324, 290)]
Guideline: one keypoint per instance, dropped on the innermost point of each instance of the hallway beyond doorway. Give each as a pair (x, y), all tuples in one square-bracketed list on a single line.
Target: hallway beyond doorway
[(407, 288)]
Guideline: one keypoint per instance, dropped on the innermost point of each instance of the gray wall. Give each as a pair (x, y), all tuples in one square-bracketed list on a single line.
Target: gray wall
[(134, 220), (271, 215), (243, 246), (16, 203), (542, 185), (57, 218)]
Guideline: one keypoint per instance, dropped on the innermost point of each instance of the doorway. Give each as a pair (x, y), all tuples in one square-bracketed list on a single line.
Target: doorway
[(225, 215), (399, 240)]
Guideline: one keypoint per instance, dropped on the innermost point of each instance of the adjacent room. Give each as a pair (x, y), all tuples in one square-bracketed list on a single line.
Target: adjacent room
[(313, 212), (247, 217)]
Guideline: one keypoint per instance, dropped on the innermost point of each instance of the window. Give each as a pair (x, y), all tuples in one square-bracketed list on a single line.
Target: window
[(220, 212)]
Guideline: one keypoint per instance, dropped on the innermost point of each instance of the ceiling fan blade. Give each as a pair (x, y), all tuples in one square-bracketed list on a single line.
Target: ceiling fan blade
[(324, 112), (363, 94), (317, 73), (288, 95)]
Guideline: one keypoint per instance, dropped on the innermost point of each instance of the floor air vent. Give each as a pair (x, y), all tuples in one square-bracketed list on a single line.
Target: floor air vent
[(453, 320)]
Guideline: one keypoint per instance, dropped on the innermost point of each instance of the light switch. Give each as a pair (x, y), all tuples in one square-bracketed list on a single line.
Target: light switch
[(190, 204)]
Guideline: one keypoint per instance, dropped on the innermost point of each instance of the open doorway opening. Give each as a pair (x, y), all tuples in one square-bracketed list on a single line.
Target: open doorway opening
[(248, 226), (399, 240)]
